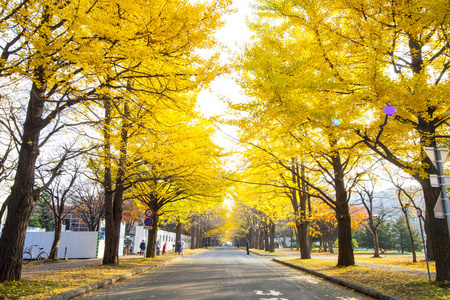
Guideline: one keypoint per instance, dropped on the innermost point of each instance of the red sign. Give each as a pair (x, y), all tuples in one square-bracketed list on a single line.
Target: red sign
[(149, 213), (148, 222)]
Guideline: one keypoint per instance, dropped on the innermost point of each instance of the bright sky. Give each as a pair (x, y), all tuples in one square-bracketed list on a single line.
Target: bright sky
[(234, 34)]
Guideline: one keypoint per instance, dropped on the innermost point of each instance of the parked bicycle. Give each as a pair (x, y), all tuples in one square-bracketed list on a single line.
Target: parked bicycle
[(28, 255)]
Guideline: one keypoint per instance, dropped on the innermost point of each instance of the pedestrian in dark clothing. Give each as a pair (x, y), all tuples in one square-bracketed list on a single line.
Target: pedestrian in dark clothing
[(142, 247), (178, 248), (248, 248)]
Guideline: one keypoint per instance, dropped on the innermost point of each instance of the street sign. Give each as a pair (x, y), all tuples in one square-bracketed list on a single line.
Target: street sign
[(148, 227), (439, 209), (148, 222), (149, 212), (434, 180), (438, 156), (432, 155), (419, 212)]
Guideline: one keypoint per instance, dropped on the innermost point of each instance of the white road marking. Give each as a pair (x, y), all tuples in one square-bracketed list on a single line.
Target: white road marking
[(271, 293)]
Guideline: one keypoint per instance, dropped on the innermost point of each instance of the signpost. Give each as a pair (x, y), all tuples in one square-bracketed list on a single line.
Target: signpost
[(438, 156), (419, 216), (148, 222)]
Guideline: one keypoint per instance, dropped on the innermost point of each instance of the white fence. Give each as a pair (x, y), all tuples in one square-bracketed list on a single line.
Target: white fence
[(79, 244), (73, 244), (91, 244), (165, 237)]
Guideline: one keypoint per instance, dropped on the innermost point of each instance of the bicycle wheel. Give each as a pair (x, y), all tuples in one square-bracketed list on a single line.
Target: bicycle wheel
[(26, 257), (42, 257)]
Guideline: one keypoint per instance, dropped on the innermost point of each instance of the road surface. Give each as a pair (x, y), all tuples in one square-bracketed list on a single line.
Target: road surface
[(224, 273)]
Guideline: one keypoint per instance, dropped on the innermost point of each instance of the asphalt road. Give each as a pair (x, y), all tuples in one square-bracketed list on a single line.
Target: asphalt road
[(224, 273)]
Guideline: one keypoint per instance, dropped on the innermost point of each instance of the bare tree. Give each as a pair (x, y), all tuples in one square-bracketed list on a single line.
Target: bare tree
[(375, 218), (56, 196), (399, 182), (89, 204), (8, 145)]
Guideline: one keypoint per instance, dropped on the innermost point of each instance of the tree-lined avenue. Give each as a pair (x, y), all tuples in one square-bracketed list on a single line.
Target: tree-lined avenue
[(224, 273)]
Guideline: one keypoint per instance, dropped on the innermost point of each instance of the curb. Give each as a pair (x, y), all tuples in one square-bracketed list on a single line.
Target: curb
[(354, 286), (102, 284)]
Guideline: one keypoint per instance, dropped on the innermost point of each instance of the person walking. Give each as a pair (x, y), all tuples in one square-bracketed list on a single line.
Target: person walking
[(183, 245), (247, 246), (178, 248), (142, 247), (158, 247), (164, 249)]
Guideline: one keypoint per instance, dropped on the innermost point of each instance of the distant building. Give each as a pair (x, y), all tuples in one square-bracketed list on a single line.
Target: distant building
[(385, 201), (72, 222)]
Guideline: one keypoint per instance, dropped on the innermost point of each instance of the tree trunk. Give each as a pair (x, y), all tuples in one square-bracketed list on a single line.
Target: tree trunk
[(429, 246), (304, 223), (178, 232), (413, 249), (200, 235), (152, 237), (292, 237), (303, 239), (266, 237), (345, 256), (438, 231), (376, 245), (112, 228), (430, 251), (56, 238), (193, 235), (439, 236), (330, 245), (22, 198), (257, 243), (114, 215), (405, 213), (272, 237)]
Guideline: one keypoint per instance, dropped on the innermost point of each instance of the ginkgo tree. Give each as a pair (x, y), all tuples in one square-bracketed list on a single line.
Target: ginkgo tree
[(265, 193), (387, 63), (305, 125), (73, 54), (182, 166)]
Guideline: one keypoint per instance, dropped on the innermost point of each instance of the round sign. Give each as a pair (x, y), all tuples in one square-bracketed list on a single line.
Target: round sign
[(419, 212), (149, 213), (148, 222)]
